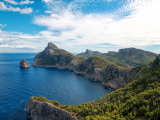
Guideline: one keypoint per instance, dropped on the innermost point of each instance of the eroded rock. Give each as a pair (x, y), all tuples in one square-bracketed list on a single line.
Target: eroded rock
[(24, 64), (46, 111)]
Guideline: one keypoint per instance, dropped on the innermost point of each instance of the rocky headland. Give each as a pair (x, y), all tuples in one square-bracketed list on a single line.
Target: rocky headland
[(94, 68), (24, 64), (46, 111)]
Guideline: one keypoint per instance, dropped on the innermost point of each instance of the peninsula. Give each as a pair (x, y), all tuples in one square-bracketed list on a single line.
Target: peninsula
[(94, 68)]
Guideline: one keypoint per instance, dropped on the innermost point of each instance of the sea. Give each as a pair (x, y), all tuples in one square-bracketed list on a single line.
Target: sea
[(17, 85)]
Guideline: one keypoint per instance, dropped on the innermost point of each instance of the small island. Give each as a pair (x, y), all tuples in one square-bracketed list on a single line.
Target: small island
[(24, 64)]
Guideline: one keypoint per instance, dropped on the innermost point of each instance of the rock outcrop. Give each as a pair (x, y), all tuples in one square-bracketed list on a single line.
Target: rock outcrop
[(90, 52), (46, 111), (24, 64)]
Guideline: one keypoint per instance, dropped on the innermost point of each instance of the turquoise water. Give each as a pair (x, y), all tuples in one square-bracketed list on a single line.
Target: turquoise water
[(18, 84)]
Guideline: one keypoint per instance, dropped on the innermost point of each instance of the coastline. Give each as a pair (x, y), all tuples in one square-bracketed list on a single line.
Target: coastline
[(78, 73)]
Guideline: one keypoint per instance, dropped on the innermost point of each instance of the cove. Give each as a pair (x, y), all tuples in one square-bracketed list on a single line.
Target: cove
[(17, 85)]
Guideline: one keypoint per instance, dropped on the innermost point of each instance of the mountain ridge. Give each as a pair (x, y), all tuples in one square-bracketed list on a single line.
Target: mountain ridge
[(129, 56)]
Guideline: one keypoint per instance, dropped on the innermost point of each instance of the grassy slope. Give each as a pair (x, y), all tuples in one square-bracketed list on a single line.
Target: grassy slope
[(139, 98)]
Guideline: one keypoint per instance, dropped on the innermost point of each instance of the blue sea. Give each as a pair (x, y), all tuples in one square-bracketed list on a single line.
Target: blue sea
[(17, 85)]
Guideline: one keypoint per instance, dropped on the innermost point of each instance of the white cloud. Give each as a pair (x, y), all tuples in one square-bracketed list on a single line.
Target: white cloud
[(18, 40), (21, 3), (48, 11), (140, 28), (3, 41), (28, 36), (19, 46), (46, 1), (15, 9)]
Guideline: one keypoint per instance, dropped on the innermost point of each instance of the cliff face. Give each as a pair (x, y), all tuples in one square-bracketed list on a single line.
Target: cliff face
[(46, 111), (95, 68), (90, 52)]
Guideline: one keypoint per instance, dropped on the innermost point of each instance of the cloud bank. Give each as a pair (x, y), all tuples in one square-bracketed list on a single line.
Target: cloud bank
[(17, 40), (139, 28), (133, 24)]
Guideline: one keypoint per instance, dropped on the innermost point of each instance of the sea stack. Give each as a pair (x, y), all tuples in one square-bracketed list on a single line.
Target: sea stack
[(24, 64)]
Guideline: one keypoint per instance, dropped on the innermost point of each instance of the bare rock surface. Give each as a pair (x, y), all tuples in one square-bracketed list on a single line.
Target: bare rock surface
[(24, 64), (46, 111)]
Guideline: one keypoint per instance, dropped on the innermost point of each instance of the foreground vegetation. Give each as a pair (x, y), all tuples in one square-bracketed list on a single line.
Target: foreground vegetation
[(140, 98)]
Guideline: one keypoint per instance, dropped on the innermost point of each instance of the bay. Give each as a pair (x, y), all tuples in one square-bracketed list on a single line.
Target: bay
[(17, 85)]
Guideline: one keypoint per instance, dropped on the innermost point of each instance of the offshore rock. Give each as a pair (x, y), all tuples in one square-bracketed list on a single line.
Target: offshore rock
[(24, 64), (46, 111)]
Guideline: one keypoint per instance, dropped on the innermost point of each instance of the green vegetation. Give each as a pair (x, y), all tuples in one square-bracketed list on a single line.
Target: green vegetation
[(125, 66), (140, 98), (44, 99), (95, 62)]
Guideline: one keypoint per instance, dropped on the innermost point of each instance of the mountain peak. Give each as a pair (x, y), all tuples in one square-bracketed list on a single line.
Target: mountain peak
[(52, 46)]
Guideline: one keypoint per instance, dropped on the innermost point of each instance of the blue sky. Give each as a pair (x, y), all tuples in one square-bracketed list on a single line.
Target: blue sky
[(77, 25)]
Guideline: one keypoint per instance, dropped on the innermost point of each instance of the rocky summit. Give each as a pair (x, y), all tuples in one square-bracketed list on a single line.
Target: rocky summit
[(24, 64), (90, 52)]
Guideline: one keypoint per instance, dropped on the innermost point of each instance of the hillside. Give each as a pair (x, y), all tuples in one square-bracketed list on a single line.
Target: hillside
[(95, 62), (130, 56), (138, 100)]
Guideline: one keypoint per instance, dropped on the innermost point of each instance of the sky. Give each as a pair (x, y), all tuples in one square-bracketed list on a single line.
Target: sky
[(26, 26)]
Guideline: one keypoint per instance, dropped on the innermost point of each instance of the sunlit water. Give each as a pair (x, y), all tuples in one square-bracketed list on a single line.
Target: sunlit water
[(17, 85)]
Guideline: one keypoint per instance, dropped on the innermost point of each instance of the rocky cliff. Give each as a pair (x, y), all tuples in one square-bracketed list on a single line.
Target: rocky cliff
[(24, 64), (94, 68), (46, 111), (90, 52)]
